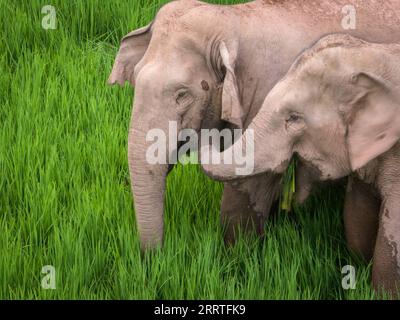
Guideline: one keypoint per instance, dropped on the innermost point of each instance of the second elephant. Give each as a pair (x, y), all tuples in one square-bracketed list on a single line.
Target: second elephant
[(338, 110)]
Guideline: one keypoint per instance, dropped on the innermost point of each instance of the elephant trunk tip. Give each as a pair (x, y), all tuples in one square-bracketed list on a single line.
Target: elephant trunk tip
[(111, 81), (150, 246)]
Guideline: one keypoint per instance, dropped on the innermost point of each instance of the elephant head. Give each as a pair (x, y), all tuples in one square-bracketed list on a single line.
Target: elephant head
[(182, 67), (337, 108)]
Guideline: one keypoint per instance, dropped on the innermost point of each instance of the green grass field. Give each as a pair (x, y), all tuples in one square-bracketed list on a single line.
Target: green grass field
[(65, 198)]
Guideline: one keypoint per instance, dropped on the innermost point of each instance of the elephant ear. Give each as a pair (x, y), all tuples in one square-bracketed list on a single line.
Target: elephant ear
[(132, 49), (374, 125), (232, 111)]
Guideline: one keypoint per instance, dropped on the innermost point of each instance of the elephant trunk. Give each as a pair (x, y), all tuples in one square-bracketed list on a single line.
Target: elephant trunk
[(258, 145), (148, 184)]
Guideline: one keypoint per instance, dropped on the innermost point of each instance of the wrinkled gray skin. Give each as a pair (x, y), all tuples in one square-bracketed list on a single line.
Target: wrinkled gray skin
[(338, 109), (209, 66)]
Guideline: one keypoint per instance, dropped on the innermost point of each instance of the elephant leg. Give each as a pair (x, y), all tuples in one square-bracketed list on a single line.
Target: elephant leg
[(246, 205), (386, 266), (361, 217)]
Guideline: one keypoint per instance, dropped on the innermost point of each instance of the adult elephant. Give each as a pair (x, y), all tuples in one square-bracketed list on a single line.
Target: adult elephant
[(211, 66)]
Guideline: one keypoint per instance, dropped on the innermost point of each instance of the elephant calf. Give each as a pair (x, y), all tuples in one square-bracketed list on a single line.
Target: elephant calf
[(338, 110)]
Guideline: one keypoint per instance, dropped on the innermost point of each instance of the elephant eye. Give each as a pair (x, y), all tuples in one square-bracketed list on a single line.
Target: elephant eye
[(181, 96), (183, 99), (295, 123), (293, 117)]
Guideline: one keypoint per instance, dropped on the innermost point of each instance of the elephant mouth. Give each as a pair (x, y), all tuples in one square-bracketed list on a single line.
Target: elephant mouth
[(180, 144), (312, 170)]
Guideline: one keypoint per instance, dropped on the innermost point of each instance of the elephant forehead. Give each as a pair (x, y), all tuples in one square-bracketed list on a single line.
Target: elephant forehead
[(148, 74), (169, 16), (166, 76), (292, 94)]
